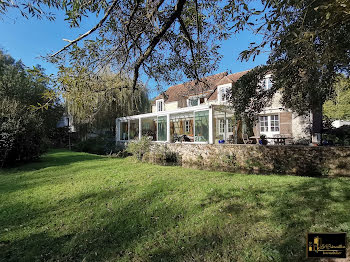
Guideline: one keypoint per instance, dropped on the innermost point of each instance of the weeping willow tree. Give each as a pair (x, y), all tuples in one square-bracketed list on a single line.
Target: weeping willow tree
[(96, 100)]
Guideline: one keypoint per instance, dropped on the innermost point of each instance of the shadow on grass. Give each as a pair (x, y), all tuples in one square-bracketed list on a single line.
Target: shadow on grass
[(15, 179), (266, 222), (320, 205), (110, 233), (288, 213), (54, 158)]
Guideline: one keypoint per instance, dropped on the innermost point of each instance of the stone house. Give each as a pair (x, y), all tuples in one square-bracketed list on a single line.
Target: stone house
[(199, 112)]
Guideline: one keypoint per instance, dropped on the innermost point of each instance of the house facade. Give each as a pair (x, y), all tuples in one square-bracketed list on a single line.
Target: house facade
[(199, 112)]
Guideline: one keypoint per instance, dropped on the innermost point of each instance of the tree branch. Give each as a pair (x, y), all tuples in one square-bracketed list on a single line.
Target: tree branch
[(177, 12), (183, 26), (99, 24)]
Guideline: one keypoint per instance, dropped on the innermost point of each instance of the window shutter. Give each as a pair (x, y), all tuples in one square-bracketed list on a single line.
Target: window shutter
[(286, 123), (256, 129), (191, 128)]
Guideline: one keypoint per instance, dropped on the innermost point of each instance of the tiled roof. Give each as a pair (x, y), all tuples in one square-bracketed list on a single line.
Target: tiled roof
[(206, 86), (232, 78)]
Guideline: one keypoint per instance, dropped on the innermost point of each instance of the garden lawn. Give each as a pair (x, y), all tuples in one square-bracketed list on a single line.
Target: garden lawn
[(77, 206)]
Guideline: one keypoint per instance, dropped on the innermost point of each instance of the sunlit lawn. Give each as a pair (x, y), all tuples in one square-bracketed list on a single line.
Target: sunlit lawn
[(76, 206)]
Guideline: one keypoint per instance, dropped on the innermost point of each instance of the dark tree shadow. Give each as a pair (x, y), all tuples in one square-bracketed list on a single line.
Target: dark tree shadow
[(53, 158)]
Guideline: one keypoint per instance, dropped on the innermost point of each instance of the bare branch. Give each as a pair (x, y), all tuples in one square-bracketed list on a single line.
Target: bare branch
[(99, 24), (177, 12), (190, 41)]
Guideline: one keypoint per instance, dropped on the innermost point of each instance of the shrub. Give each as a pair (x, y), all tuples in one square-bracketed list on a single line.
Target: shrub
[(140, 147), (338, 136), (20, 133), (100, 145), (29, 111)]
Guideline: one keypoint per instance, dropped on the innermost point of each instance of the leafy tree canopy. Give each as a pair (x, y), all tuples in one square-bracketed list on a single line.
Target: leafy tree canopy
[(338, 107), (163, 39), (23, 130), (309, 40), (310, 43), (95, 101)]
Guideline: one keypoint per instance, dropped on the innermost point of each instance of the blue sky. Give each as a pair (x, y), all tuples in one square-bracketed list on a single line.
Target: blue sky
[(29, 39)]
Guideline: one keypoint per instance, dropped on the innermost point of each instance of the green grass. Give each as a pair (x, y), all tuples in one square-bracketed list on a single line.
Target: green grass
[(77, 206)]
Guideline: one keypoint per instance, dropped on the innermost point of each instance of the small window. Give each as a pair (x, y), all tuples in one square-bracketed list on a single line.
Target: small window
[(223, 94), (268, 83), (264, 123), (202, 100), (275, 123), (187, 126), (193, 101), (160, 105)]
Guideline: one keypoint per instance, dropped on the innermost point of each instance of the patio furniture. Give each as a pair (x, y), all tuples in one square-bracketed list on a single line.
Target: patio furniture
[(230, 139), (247, 140), (279, 139)]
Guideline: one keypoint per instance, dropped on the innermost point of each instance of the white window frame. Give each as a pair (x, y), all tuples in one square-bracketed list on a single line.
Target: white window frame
[(270, 119), (193, 98), (230, 128), (267, 80), (160, 102), (223, 94), (221, 126), (265, 125), (274, 121)]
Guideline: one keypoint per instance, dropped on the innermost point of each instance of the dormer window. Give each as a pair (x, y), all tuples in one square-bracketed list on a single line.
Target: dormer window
[(223, 93), (194, 101), (160, 105), (267, 82)]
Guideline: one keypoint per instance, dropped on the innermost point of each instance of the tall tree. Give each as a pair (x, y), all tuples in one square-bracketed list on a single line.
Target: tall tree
[(310, 43), (23, 130), (96, 101), (163, 39), (309, 40), (338, 106)]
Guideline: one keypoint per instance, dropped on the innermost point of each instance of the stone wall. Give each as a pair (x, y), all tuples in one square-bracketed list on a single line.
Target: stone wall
[(301, 160)]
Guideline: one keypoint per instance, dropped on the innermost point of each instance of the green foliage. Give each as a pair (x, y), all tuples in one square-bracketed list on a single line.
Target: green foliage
[(21, 133), (309, 50), (338, 107), (95, 101), (338, 136), (101, 145), (23, 130), (139, 147), (248, 95), (309, 43), (162, 155)]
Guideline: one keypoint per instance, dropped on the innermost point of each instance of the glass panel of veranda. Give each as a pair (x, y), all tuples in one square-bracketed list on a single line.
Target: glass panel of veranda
[(201, 127), (149, 127), (182, 127), (123, 131), (134, 129), (161, 128)]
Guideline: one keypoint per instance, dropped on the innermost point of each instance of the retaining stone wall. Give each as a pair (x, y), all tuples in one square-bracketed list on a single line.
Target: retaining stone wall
[(302, 160)]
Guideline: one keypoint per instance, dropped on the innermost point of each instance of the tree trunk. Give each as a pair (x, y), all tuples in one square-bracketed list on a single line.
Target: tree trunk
[(316, 128)]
